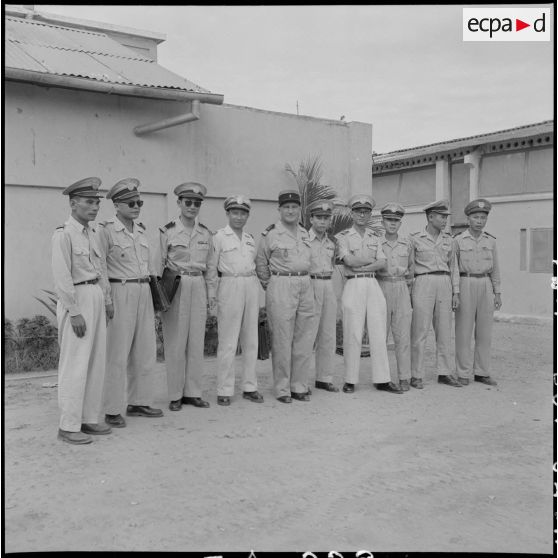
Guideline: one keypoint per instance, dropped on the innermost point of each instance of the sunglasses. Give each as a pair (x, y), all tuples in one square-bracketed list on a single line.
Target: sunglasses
[(133, 203), (190, 203)]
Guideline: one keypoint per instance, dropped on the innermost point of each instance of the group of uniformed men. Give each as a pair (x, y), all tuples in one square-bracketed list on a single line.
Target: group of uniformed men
[(106, 317)]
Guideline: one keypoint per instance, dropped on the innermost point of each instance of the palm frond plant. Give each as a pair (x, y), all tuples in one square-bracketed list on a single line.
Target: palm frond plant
[(50, 302)]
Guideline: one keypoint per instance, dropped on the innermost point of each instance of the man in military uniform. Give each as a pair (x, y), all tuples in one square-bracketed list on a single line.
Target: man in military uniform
[(325, 302), (81, 317), (436, 277), (131, 344), (480, 295), (184, 248), (393, 280), (233, 287), (363, 301), (282, 266)]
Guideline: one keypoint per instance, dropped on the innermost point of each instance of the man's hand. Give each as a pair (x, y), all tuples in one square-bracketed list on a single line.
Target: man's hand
[(78, 325), (109, 308), (212, 306), (455, 302), (497, 301)]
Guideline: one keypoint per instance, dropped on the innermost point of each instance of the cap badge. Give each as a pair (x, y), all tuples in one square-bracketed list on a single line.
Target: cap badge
[(481, 205)]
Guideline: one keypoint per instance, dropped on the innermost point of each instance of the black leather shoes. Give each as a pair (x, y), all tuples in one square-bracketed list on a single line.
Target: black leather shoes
[(404, 385), (285, 399), (175, 405), (253, 396), (300, 396), (463, 381), (328, 386), (487, 380), (223, 400), (389, 387), (448, 381), (96, 429), (143, 411), (348, 388), (116, 421), (195, 401), (74, 437), (416, 383)]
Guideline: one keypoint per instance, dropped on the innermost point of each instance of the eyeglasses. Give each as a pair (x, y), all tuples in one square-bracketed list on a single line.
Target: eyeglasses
[(133, 203), (190, 203)]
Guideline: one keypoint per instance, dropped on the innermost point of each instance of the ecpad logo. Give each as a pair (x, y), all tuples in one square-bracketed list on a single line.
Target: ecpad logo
[(506, 24)]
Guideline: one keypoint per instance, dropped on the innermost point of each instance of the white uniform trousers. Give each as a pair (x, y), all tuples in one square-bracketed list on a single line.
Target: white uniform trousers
[(432, 296), (290, 308), (399, 314), (324, 328), (362, 301), (237, 317), (81, 368), (184, 337), (476, 311), (131, 348)]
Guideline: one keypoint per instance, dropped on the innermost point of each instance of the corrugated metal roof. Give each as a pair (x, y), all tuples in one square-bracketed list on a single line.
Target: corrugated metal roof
[(52, 49)]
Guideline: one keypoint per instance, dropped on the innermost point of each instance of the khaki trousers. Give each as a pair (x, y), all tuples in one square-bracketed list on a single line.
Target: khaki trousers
[(324, 328), (363, 301), (432, 296), (131, 348), (81, 367), (476, 311), (184, 336), (237, 317), (290, 308)]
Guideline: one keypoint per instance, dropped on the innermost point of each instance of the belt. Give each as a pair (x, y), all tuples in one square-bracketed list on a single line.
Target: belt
[(249, 274), (433, 273), (124, 281), (320, 275), (357, 275), (390, 278), (190, 273), (462, 274), (90, 282), (289, 273)]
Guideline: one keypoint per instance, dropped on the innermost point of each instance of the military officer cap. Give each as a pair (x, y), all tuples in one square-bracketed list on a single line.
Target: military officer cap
[(191, 190), (86, 188), (361, 201), (478, 206), (237, 202), (289, 196), (439, 206), (393, 210), (124, 189), (321, 207)]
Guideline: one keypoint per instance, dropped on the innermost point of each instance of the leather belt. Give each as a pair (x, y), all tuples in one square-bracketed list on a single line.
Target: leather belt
[(190, 273), (390, 278), (320, 276), (289, 273), (433, 273), (462, 274), (124, 281), (249, 274), (357, 275), (90, 282)]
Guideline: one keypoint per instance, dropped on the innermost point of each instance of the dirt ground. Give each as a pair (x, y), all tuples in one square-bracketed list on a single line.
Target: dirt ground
[(441, 469)]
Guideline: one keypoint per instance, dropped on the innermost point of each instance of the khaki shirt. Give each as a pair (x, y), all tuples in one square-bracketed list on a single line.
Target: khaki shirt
[(435, 254), (124, 254), (75, 258), (280, 251), (322, 253), (366, 247), (399, 258), (478, 255), (183, 251), (229, 254)]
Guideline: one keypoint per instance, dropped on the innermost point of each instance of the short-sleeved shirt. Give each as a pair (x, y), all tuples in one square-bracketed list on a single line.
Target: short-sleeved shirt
[(75, 258), (398, 255), (230, 254), (181, 250), (366, 247), (322, 255), (478, 255), (435, 254), (281, 251)]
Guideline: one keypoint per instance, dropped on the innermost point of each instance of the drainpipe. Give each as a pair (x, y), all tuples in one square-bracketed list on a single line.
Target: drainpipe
[(194, 114)]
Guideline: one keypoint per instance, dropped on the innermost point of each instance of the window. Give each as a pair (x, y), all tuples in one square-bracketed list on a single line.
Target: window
[(540, 260)]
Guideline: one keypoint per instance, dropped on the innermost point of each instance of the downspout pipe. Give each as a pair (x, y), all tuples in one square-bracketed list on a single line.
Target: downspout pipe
[(194, 114)]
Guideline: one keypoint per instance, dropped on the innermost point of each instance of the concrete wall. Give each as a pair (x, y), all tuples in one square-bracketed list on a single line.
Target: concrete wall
[(57, 136)]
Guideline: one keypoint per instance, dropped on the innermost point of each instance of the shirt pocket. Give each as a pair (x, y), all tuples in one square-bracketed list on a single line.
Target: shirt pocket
[(401, 254), (466, 255), (201, 250), (229, 254), (285, 251), (424, 254), (444, 250), (122, 249), (486, 255), (144, 249), (179, 251)]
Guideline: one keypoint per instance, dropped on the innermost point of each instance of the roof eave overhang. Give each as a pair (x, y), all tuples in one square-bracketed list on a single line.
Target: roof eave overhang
[(86, 84)]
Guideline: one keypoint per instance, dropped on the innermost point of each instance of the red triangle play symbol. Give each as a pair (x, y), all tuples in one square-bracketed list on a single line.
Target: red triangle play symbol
[(519, 25)]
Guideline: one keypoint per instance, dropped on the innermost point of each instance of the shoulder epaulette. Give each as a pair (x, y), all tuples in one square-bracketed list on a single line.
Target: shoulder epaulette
[(141, 225), (170, 225), (490, 235), (203, 227), (271, 227), (92, 228), (414, 233), (102, 223), (60, 227), (250, 235)]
